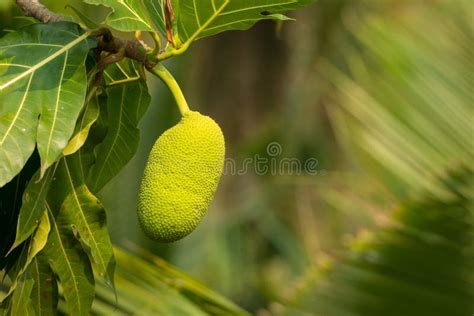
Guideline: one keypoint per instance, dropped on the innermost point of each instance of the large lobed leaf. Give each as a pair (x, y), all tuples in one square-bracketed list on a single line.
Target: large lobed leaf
[(42, 90)]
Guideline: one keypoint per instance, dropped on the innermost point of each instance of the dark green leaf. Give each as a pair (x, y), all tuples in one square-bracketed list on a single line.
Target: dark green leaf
[(126, 105), (10, 205), (44, 295)]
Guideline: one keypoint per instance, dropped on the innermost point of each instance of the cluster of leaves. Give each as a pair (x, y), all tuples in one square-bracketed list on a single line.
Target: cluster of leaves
[(63, 136)]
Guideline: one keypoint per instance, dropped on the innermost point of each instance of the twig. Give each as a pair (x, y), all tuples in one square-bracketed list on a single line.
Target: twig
[(37, 10), (133, 49), (106, 61)]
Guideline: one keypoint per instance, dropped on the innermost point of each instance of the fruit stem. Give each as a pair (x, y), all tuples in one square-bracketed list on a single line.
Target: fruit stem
[(161, 72)]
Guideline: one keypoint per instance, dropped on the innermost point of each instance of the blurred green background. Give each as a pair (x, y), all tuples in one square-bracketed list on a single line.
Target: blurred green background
[(379, 92)]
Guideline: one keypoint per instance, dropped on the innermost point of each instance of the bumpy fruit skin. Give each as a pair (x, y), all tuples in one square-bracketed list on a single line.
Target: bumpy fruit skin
[(180, 178)]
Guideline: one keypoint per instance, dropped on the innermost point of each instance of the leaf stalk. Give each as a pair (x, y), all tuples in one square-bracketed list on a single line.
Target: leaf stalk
[(161, 72)]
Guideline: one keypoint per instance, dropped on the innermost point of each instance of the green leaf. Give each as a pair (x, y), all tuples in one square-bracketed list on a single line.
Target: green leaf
[(34, 245), (38, 242), (83, 19), (33, 206), (126, 105), (44, 295), (125, 72), (71, 265), (88, 118), (42, 74), (156, 14), (198, 19), (132, 15), (21, 303), (84, 214)]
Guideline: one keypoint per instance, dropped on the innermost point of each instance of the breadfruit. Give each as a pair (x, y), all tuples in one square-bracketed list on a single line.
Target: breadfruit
[(180, 177)]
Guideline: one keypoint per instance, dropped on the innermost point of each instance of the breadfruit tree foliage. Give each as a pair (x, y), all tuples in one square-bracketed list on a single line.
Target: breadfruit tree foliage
[(71, 97)]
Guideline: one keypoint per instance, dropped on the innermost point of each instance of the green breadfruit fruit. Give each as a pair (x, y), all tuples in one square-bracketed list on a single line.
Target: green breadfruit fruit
[(180, 178)]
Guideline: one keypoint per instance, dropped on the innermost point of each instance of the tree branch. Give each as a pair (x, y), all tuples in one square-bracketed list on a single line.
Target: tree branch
[(133, 49), (105, 40), (37, 10)]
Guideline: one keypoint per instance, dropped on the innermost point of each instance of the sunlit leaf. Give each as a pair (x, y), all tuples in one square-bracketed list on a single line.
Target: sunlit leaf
[(132, 15), (40, 237), (29, 251), (87, 119), (42, 89), (197, 19)]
